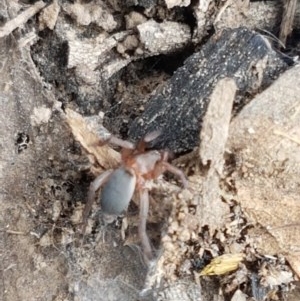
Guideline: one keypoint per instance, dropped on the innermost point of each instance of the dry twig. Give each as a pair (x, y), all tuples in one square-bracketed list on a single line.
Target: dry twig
[(286, 26)]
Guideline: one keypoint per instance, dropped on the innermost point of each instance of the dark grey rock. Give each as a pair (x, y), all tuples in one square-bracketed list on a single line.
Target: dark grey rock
[(178, 109)]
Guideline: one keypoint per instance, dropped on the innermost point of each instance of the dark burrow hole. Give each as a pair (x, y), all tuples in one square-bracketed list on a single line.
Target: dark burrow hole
[(22, 138), (140, 79), (293, 44), (22, 141), (198, 264)]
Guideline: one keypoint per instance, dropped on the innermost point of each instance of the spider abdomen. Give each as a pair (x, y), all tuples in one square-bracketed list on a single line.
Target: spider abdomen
[(117, 191)]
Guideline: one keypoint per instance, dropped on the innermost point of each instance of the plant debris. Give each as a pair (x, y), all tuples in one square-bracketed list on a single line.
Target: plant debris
[(75, 72)]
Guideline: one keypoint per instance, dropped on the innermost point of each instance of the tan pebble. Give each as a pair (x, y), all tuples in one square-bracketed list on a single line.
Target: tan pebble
[(169, 246), (194, 236), (184, 235), (131, 42), (194, 201), (139, 51), (181, 216), (121, 48), (185, 210), (133, 19), (46, 240), (174, 237), (173, 278), (166, 238), (187, 194), (174, 226), (170, 219)]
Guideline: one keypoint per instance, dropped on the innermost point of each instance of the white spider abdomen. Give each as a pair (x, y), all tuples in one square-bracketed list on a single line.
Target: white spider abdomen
[(117, 192)]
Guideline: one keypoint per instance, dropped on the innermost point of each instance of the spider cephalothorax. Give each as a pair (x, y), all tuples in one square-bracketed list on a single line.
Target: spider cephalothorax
[(137, 167)]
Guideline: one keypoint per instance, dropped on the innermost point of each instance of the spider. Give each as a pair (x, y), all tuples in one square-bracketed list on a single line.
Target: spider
[(138, 166)]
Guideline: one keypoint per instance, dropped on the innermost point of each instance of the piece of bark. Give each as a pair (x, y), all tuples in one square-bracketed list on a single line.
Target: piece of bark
[(163, 38), (288, 16), (91, 52), (91, 12), (256, 15), (213, 137), (153, 38), (253, 15), (265, 139), (21, 19), (204, 19), (215, 125), (98, 59), (178, 109), (92, 138)]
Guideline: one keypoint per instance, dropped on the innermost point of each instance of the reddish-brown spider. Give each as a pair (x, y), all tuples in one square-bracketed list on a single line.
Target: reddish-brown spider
[(137, 167)]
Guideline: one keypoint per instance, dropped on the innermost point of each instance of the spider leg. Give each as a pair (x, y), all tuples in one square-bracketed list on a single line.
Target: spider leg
[(119, 142), (144, 208), (94, 186), (152, 136), (128, 148), (142, 144), (115, 141), (179, 173)]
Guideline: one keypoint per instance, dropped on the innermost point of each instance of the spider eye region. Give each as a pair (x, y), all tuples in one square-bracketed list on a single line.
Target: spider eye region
[(118, 191)]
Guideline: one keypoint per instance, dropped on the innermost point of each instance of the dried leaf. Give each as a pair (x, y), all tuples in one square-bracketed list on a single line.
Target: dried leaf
[(223, 264)]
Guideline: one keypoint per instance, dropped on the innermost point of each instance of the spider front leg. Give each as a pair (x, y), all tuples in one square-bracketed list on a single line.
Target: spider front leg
[(120, 142), (94, 186), (144, 208), (177, 172)]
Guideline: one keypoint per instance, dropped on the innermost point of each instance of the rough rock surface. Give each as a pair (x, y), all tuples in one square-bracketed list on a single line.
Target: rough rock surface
[(177, 110)]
